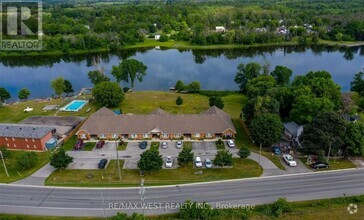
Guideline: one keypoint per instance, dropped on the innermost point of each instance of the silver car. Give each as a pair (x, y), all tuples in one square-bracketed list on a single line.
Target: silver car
[(164, 145), (179, 144), (208, 163), (169, 162)]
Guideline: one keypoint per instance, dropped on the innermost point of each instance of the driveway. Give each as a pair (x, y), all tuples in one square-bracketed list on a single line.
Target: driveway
[(84, 164), (38, 177), (300, 168), (204, 149)]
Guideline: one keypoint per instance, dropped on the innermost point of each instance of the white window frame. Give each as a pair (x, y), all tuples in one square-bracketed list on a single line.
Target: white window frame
[(34, 146), (102, 136), (83, 136), (198, 135), (165, 135), (177, 135), (115, 136), (26, 139), (208, 135), (146, 135), (15, 145), (13, 139), (133, 135)]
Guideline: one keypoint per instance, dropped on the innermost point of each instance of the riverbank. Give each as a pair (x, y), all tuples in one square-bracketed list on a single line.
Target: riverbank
[(183, 45)]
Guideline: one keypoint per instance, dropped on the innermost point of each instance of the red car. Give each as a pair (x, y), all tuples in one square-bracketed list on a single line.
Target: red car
[(78, 145), (100, 144)]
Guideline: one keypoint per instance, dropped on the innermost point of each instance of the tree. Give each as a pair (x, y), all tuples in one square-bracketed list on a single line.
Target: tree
[(266, 129), (179, 101), (260, 105), (58, 85), (223, 158), (325, 134), (60, 159), (307, 107), (282, 75), (260, 86), (23, 94), (108, 94), (246, 73), (5, 152), (4, 95), (96, 77), (354, 139), (357, 84), (185, 156), (128, 70), (194, 87), (150, 160), (68, 88), (179, 86), (26, 160), (244, 152), (216, 101)]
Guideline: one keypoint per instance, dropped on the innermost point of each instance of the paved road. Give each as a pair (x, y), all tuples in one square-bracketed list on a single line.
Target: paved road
[(96, 202)]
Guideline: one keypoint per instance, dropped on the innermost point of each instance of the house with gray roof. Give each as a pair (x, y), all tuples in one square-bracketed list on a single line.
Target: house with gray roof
[(25, 137), (159, 124), (292, 132)]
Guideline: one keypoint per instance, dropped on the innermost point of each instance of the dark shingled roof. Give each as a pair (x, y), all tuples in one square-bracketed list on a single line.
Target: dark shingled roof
[(212, 120), (24, 131)]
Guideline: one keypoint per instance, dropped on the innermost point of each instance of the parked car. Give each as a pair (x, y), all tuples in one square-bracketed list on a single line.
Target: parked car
[(277, 150), (230, 143), (143, 145), (179, 144), (78, 145), (319, 165), (102, 163), (169, 162), (100, 144), (208, 163), (289, 160), (164, 145), (198, 162)]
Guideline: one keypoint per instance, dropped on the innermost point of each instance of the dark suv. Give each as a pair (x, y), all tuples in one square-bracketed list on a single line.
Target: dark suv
[(319, 165), (100, 144), (143, 145), (102, 163)]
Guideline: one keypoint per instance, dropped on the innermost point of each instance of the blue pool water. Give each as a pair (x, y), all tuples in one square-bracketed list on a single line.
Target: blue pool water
[(74, 106)]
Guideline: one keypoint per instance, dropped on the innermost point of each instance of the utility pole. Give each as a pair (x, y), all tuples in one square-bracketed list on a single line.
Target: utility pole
[(142, 194), (117, 158), (103, 204), (328, 154), (2, 158)]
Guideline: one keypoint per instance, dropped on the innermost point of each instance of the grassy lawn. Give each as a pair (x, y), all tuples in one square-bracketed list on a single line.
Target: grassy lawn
[(146, 102), (122, 145), (220, 146), (36, 217), (187, 144), (242, 169), (335, 164), (15, 113), (89, 146), (14, 174), (70, 143), (154, 146)]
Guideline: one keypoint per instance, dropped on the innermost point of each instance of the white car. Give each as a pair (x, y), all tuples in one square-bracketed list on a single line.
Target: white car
[(169, 162), (289, 160), (208, 163), (230, 143), (164, 145), (179, 144), (198, 162)]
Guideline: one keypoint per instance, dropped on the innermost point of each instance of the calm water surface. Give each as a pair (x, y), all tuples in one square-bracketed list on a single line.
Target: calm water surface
[(215, 69)]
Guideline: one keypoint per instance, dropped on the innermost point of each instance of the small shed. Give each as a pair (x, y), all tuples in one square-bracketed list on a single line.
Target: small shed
[(52, 143)]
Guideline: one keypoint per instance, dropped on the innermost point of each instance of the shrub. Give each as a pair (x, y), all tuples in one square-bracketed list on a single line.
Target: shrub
[(278, 208), (26, 160), (244, 152), (5, 152)]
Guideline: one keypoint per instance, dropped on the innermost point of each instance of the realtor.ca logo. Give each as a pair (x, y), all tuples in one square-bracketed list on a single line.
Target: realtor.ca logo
[(21, 25)]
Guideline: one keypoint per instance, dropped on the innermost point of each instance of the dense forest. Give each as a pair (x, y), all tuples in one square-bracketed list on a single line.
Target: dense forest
[(70, 26)]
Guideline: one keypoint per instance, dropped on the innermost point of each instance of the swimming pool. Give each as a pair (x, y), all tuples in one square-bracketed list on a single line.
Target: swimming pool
[(74, 106)]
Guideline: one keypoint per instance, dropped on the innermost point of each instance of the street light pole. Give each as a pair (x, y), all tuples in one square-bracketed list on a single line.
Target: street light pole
[(142, 193), (260, 152), (117, 158), (2, 158)]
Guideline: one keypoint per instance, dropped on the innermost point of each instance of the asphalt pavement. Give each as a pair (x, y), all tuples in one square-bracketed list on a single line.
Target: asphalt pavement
[(40, 200)]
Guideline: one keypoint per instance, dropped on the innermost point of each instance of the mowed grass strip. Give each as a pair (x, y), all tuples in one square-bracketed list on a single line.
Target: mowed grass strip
[(243, 168), (335, 164), (148, 101)]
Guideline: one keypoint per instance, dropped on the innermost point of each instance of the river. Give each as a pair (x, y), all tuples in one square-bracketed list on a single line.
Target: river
[(215, 69)]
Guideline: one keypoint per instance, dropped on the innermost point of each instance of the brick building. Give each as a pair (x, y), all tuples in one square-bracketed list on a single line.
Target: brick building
[(25, 137)]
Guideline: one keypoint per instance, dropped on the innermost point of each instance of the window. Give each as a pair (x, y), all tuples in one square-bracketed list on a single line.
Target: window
[(115, 136), (133, 135), (146, 135), (165, 135), (27, 145), (83, 136), (208, 135), (7, 144), (14, 145), (102, 136), (35, 146), (177, 135), (33, 140), (6, 138), (13, 139), (197, 135)]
